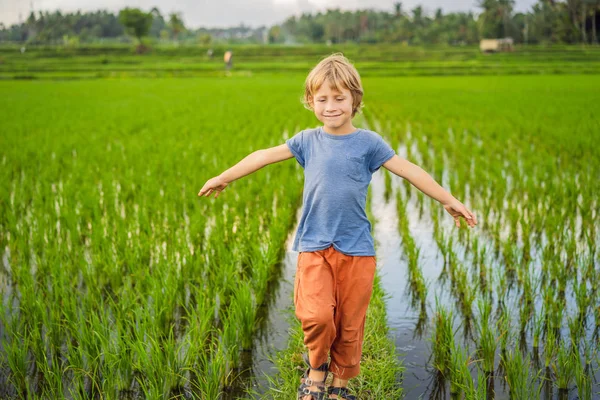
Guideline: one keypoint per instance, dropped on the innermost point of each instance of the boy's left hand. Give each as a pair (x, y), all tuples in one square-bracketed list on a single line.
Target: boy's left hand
[(457, 210)]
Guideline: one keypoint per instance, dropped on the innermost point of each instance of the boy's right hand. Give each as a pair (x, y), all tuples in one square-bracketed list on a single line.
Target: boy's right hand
[(216, 184)]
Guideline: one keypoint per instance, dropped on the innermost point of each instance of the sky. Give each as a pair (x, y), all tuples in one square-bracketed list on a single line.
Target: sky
[(225, 13)]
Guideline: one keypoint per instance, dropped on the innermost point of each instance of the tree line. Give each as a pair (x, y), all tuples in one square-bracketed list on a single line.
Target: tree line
[(548, 21)]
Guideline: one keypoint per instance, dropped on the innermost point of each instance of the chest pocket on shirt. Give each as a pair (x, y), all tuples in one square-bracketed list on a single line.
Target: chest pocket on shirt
[(356, 168)]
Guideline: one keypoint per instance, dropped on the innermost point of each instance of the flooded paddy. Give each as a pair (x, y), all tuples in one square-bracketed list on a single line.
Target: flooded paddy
[(115, 281)]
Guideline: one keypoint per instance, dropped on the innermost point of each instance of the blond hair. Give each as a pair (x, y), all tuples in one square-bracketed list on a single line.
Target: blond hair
[(337, 71)]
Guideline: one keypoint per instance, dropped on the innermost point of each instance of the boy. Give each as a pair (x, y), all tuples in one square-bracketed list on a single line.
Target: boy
[(336, 260)]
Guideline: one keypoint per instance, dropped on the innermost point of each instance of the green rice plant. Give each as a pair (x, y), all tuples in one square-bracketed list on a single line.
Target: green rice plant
[(565, 365), (582, 298), (576, 329), (520, 378), (243, 310), (163, 369), (503, 327), (525, 313), (15, 343), (553, 309), (482, 389), (442, 339), (209, 373), (466, 296), (583, 380), (458, 371), (487, 344), (538, 324), (501, 287), (509, 253), (230, 340), (417, 284), (550, 348)]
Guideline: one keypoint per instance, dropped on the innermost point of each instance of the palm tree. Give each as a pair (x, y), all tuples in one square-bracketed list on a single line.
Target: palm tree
[(176, 24), (505, 7), (591, 11), (594, 10), (398, 9), (417, 15)]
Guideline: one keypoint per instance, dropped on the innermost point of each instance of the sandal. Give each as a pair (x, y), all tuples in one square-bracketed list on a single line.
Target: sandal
[(306, 383), (341, 392)]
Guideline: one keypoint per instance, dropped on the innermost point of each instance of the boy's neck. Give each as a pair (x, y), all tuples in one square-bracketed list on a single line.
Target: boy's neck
[(342, 130)]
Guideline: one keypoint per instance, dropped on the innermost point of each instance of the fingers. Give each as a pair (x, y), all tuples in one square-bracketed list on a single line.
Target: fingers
[(205, 190), (459, 210), (473, 217), (469, 217), (208, 192)]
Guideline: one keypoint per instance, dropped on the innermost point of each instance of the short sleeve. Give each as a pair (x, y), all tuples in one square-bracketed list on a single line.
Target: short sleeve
[(296, 146), (380, 154)]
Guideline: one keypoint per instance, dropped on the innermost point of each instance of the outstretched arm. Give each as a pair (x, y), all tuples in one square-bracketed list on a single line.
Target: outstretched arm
[(249, 164), (426, 184)]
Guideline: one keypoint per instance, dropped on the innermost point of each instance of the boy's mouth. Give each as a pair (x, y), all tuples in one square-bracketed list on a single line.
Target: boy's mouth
[(332, 116)]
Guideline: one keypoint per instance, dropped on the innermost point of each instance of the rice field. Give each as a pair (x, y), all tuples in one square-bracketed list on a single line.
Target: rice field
[(121, 61), (515, 301), (118, 282)]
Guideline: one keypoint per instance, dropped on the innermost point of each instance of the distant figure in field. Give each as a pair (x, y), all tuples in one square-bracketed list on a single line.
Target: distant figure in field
[(228, 58), (336, 261)]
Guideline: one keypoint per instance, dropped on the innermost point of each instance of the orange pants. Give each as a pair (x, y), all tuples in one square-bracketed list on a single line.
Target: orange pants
[(331, 294)]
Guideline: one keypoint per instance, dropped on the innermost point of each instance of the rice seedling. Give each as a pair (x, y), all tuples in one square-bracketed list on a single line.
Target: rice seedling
[(442, 339), (538, 324), (417, 284), (583, 378), (519, 376), (551, 348), (487, 344), (460, 377), (503, 327), (564, 365)]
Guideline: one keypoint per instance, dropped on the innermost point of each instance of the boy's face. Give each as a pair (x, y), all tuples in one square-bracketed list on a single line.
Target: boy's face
[(333, 108)]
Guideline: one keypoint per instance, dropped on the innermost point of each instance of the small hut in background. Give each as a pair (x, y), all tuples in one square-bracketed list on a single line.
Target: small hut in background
[(493, 45)]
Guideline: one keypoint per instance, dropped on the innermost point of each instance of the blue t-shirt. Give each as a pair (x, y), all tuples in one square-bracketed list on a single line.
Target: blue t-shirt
[(337, 173)]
